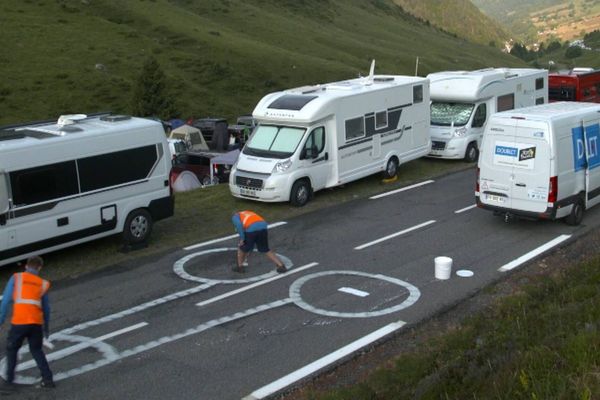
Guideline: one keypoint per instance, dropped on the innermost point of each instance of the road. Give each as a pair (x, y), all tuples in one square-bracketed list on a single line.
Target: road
[(185, 326)]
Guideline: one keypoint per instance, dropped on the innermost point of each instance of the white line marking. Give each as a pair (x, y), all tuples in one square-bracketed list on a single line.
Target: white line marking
[(67, 351), (393, 235), (323, 362), (195, 246), (465, 209), (533, 253), (353, 291), (401, 190), (256, 284)]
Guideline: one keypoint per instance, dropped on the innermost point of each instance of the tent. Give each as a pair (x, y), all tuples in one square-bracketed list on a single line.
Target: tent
[(191, 136), (228, 158), (185, 181)]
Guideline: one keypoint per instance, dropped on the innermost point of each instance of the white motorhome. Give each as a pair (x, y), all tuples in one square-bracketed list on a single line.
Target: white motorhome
[(462, 101), (322, 136), (541, 162), (79, 179)]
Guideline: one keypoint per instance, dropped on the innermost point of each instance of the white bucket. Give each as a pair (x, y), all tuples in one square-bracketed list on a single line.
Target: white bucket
[(443, 267)]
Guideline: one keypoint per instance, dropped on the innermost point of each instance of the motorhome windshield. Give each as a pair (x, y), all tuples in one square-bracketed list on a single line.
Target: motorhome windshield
[(274, 141), (447, 114)]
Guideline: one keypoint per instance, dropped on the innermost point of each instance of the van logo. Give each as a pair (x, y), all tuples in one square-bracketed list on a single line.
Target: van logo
[(527, 154), (506, 151)]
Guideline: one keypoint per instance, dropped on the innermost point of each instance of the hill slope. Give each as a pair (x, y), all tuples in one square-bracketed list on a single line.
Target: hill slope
[(220, 56)]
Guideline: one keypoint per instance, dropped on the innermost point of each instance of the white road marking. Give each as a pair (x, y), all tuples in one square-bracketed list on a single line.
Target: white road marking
[(195, 246), (353, 291), (323, 362), (401, 190), (363, 246), (465, 209), (256, 284), (533, 253)]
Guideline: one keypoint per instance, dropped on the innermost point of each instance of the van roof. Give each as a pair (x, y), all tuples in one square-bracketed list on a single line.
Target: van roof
[(550, 111)]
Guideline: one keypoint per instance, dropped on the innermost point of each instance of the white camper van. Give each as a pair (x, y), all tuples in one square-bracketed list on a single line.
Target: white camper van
[(78, 179), (541, 162), (462, 102), (322, 136)]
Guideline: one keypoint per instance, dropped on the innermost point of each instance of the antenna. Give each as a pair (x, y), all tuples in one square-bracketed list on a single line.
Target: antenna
[(371, 71), (417, 67)]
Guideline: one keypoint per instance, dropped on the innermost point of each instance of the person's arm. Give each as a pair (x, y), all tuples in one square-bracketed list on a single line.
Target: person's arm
[(46, 310), (7, 297), (237, 222)]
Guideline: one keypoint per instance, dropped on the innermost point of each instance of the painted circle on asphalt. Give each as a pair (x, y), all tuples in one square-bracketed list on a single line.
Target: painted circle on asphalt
[(296, 297), (179, 268), (464, 273)]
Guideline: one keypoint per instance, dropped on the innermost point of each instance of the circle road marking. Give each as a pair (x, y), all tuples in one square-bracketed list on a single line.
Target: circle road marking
[(295, 288)]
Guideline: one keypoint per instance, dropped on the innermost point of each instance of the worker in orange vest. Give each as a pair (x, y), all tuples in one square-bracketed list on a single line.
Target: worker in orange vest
[(30, 319), (252, 229)]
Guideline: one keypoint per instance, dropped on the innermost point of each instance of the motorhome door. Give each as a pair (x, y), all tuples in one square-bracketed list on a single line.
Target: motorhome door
[(315, 158)]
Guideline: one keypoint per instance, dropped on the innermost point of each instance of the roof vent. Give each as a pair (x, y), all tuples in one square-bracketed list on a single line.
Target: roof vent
[(115, 118), (383, 79), (70, 119)]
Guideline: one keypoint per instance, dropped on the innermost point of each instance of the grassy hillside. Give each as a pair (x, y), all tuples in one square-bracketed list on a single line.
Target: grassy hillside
[(460, 17), (220, 56)]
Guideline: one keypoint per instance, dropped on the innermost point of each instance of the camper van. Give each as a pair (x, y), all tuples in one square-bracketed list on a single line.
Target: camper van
[(81, 178), (462, 102), (326, 135), (541, 162)]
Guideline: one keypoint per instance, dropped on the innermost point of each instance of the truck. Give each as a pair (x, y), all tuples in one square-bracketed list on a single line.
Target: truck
[(79, 178), (321, 136), (462, 102), (577, 84), (541, 162)]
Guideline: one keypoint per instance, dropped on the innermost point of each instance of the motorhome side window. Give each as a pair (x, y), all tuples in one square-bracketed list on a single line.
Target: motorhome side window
[(417, 94), (355, 128), (506, 102), (539, 83), (479, 117), (44, 183), (381, 119), (539, 100)]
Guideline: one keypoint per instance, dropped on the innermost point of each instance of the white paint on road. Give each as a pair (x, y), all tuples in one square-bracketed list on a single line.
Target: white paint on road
[(416, 185), (353, 291), (462, 210), (533, 253), (323, 362), (222, 239), (393, 235)]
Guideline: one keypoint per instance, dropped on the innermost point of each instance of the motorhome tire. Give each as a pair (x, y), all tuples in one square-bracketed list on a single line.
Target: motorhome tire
[(391, 169), (472, 153), (300, 194), (138, 226), (576, 215)]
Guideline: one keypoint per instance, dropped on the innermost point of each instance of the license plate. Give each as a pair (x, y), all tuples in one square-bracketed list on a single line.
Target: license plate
[(246, 192), (497, 199)]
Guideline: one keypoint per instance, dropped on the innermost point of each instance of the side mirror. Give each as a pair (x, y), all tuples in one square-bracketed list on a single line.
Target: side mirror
[(3, 193)]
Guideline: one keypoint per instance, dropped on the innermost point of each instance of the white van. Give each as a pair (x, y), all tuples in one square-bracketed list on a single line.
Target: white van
[(79, 179), (322, 136), (541, 162), (462, 101)]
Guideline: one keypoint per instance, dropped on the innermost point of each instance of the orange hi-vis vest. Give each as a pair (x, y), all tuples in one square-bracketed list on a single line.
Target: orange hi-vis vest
[(248, 218), (27, 299)]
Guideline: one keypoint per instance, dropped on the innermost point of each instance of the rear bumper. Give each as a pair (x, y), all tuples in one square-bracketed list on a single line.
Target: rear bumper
[(550, 212)]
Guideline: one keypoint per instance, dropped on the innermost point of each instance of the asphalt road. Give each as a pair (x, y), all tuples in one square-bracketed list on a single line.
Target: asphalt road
[(184, 326)]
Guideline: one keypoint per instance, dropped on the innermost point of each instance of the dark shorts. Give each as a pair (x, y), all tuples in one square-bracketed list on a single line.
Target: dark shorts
[(258, 238)]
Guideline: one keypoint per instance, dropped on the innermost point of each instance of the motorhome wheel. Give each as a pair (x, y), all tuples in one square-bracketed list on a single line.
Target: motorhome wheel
[(138, 226), (391, 169), (300, 193), (472, 153)]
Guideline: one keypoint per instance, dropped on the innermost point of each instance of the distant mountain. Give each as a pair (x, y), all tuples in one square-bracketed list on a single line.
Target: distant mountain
[(459, 17)]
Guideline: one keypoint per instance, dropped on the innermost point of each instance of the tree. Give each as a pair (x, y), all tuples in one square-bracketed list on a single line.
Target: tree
[(573, 52), (150, 94)]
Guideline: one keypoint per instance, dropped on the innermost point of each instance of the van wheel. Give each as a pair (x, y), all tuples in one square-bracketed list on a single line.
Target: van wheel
[(391, 169), (576, 215), (472, 153), (300, 193), (138, 226)]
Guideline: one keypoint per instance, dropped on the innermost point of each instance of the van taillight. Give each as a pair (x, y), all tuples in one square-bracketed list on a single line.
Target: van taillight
[(477, 182), (553, 189)]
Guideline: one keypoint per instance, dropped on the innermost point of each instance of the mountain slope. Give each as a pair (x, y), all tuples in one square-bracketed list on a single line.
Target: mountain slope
[(220, 56)]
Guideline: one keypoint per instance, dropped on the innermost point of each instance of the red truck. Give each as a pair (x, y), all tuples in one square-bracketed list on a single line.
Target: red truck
[(578, 84)]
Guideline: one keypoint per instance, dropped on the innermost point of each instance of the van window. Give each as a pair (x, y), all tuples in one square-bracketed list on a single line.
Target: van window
[(480, 116), (381, 119), (506, 102), (417, 94), (539, 83), (44, 183), (316, 140), (447, 114), (355, 128), (116, 168)]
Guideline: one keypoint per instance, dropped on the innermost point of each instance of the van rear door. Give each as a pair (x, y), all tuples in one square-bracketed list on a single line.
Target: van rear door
[(592, 153)]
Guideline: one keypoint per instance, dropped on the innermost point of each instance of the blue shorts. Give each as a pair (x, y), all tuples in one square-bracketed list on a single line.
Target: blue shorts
[(258, 238)]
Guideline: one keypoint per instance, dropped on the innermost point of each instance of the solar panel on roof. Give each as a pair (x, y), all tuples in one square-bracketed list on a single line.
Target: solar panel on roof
[(291, 102)]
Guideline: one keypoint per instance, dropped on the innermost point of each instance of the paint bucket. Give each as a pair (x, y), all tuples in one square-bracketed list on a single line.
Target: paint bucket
[(443, 267)]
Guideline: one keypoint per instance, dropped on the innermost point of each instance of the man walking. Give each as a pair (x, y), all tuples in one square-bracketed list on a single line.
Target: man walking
[(30, 319), (252, 229)]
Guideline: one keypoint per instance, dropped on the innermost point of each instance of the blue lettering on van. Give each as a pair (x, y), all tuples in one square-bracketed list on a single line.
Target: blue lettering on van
[(507, 151), (584, 156)]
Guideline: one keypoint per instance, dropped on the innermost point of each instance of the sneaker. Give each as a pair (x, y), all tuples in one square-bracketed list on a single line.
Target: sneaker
[(47, 385), (245, 264), (238, 269), (281, 269)]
